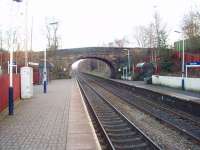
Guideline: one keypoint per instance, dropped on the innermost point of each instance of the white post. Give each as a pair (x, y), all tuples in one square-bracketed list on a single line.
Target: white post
[(128, 63), (45, 73), (179, 49), (129, 67), (186, 71), (183, 59), (10, 90), (45, 61), (11, 68), (26, 30), (126, 73), (183, 64), (123, 73)]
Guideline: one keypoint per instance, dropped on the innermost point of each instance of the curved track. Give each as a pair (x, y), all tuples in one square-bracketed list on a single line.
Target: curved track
[(119, 132)]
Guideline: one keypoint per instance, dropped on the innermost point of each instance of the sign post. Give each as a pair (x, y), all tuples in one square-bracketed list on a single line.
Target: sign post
[(195, 64)]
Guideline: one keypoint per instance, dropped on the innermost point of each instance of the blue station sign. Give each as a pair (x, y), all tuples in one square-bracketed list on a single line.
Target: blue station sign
[(193, 63)]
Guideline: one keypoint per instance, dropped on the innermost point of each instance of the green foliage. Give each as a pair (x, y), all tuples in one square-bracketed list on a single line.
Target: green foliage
[(166, 65)]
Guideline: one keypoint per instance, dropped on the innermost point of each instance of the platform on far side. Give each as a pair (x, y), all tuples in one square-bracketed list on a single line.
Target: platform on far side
[(178, 93), (57, 120)]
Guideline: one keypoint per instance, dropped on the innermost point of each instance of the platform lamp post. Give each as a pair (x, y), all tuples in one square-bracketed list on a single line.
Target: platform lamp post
[(129, 65), (10, 90), (45, 63), (123, 76), (55, 26), (45, 72), (26, 33), (183, 63)]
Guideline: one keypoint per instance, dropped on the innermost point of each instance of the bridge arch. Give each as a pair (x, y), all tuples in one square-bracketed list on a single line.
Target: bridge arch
[(112, 68)]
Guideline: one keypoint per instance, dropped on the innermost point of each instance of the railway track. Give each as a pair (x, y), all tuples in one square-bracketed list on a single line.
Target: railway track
[(182, 121), (118, 132)]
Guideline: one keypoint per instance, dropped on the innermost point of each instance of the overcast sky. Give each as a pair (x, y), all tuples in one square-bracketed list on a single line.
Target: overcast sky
[(84, 23)]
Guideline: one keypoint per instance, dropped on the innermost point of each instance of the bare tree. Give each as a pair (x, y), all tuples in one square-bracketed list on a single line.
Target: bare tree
[(48, 36), (55, 36), (1, 40), (11, 39), (191, 29), (121, 42), (152, 36), (191, 24), (52, 35), (117, 43), (145, 36), (111, 44), (140, 36), (160, 31)]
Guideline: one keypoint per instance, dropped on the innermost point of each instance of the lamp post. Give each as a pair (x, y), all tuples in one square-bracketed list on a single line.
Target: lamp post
[(26, 34), (45, 60), (129, 65), (125, 73), (183, 63), (179, 49), (10, 90), (45, 73), (55, 27), (128, 60)]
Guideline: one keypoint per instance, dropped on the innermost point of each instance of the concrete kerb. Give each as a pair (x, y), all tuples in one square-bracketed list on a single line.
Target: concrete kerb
[(90, 121)]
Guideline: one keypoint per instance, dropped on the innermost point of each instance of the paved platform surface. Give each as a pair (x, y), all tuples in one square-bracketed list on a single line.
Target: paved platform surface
[(186, 95), (53, 121)]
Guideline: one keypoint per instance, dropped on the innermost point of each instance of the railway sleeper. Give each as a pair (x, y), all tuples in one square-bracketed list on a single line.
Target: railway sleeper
[(112, 122), (120, 130), (127, 140), (107, 115), (110, 119), (123, 135), (141, 146), (116, 126)]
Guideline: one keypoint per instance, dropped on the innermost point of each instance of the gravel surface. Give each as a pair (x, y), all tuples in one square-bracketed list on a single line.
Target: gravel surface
[(166, 137)]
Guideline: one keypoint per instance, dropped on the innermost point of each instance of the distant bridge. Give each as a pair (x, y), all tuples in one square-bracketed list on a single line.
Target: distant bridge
[(112, 56)]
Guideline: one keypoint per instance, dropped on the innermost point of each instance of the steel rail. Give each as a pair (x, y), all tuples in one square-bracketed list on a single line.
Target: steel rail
[(145, 138), (193, 134), (107, 141)]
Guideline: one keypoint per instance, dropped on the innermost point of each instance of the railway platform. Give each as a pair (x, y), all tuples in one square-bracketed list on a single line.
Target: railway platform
[(57, 120), (177, 93)]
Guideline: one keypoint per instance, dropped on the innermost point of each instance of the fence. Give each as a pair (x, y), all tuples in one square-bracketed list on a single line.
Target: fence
[(192, 84), (4, 85)]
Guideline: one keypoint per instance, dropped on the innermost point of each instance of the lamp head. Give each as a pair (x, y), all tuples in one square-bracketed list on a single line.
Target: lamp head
[(18, 1), (177, 31), (54, 23)]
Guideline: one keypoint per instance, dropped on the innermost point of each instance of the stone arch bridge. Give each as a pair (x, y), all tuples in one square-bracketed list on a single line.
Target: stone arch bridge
[(112, 56)]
